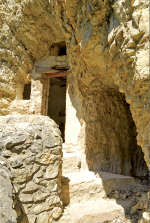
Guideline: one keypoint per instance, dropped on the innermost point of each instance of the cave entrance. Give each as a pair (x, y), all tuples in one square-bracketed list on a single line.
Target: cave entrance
[(57, 102), (27, 91), (57, 88), (59, 49), (111, 143), (54, 70)]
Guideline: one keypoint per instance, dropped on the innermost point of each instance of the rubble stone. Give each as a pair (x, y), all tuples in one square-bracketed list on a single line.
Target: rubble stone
[(31, 198)]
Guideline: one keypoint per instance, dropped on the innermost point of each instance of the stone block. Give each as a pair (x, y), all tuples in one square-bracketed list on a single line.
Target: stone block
[(51, 171), (16, 162), (44, 218), (15, 140), (30, 187), (7, 213), (57, 211), (40, 196), (49, 142)]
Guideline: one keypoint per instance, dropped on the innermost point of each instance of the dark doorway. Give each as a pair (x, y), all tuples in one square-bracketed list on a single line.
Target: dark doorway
[(27, 91), (62, 51), (57, 102), (61, 48)]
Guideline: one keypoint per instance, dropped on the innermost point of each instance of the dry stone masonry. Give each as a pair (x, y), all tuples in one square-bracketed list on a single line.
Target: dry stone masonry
[(30, 149)]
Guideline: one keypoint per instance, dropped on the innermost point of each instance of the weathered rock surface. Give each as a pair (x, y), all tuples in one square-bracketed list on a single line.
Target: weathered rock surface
[(7, 213), (101, 196), (96, 211), (145, 218), (31, 150), (107, 44), (108, 47), (27, 33)]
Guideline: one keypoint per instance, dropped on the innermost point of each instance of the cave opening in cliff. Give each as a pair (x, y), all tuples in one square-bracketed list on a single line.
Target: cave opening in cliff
[(111, 143), (27, 91), (59, 48), (57, 102), (62, 51)]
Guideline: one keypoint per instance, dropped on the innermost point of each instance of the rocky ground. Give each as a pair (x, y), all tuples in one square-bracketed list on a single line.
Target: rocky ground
[(102, 197)]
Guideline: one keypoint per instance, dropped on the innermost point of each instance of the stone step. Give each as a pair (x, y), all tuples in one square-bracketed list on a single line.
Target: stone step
[(75, 189), (71, 162), (94, 211), (85, 185), (116, 181)]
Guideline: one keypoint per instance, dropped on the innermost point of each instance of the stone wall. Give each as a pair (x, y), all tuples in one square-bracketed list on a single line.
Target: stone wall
[(30, 149), (40, 84), (38, 102)]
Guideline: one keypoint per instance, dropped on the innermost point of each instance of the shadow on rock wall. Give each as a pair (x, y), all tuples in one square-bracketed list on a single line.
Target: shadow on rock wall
[(110, 135)]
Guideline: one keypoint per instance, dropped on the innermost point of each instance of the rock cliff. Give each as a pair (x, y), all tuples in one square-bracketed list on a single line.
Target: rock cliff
[(107, 45), (108, 51), (107, 108)]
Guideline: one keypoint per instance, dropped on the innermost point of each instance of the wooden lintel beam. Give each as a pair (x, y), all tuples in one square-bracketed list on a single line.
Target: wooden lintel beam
[(45, 70), (60, 74)]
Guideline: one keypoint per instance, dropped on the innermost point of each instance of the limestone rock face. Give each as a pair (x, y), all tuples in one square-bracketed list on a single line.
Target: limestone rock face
[(107, 45), (31, 150), (108, 49), (27, 31)]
